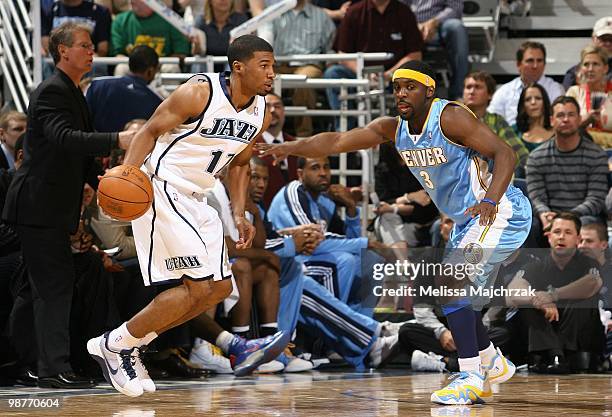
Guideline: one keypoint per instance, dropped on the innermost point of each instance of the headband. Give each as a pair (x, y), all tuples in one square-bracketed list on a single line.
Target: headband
[(424, 79)]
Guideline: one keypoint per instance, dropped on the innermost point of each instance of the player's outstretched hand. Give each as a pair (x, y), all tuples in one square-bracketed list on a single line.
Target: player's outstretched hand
[(485, 210), (246, 232), (278, 151)]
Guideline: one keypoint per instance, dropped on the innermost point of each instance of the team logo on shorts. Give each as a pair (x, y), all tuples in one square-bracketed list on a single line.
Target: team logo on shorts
[(472, 253), (182, 262)]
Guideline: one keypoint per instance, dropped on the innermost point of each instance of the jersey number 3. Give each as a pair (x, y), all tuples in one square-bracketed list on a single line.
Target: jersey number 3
[(426, 179), (216, 157)]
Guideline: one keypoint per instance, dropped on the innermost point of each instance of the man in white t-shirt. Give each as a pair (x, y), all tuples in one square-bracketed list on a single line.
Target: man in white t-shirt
[(531, 63)]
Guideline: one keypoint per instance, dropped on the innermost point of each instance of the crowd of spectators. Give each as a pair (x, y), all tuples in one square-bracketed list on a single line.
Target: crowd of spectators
[(309, 268)]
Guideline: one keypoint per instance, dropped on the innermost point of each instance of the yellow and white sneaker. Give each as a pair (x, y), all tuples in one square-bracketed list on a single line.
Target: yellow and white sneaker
[(500, 369), (466, 388)]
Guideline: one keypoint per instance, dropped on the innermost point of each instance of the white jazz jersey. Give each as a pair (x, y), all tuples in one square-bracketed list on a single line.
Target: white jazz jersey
[(180, 235)]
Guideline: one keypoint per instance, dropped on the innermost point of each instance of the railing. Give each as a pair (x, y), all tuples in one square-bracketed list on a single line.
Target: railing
[(15, 51)]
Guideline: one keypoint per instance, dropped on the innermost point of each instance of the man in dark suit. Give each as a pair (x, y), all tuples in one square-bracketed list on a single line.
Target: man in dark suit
[(44, 199), (12, 125), (285, 171)]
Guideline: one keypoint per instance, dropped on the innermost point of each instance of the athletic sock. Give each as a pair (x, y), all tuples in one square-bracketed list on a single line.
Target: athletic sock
[(121, 339), (149, 337), (463, 328), (470, 364), (242, 331), (224, 340), (487, 355), (482, 335)]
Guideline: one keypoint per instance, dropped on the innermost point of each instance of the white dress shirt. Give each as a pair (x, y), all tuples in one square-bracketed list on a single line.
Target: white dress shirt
[(506, 98)]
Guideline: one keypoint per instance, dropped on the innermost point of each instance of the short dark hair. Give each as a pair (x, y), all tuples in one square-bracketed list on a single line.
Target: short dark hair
[(529, 45), (599, 228), (19, 142), (142, 58), (564, 100), (301, 162), (243, 48), (522, 118), (420, 66), (566, 215), (258, 161), (485, 77), (63, 35)]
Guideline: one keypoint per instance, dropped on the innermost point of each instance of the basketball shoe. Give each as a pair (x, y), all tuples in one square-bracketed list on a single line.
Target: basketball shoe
[(499, 369), (247, 355), (465, 388), (141, 372), (117, 367), (208, 356)]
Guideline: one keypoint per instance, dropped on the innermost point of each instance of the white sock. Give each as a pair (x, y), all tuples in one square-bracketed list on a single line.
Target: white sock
[(224, 341), (120, 339), (272, 325), (149, 337), (487, 355), (470, 364), (240, 329)]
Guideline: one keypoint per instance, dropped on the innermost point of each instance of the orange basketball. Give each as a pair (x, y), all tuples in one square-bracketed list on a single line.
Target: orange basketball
[(125, 192)]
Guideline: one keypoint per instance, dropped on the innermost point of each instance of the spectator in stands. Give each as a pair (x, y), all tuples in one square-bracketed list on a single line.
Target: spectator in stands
[(335, 9), (313, 199), (375, 26), (44, 198), (93, 15), (304, 30), (307, 298), (567, 283), (567, 173), (531, 63), (219, 18), (594, 243), (114, 101), (286, 170), (440, 23), (602, 37), (533, 117), (405, 212), (593, 95), (142, 26), (12, 126), (478, 88)]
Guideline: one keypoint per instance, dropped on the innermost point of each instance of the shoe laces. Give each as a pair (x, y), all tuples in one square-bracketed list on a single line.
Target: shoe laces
[(137, 355), (457, 378), (128, 360)]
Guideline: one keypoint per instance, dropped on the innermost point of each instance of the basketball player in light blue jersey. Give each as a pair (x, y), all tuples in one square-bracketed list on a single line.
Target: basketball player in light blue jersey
[(447, 148)]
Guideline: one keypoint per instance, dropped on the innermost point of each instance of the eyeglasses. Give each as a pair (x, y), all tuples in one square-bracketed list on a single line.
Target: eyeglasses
[(84, 45)]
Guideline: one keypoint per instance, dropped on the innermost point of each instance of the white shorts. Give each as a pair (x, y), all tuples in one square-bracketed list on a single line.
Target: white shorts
[(180, 236)]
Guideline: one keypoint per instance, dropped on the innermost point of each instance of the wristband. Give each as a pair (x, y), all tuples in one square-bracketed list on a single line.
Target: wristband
[(395, 209), (489, 201)]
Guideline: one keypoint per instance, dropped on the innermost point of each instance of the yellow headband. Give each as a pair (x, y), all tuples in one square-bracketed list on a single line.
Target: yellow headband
[(424, 79)]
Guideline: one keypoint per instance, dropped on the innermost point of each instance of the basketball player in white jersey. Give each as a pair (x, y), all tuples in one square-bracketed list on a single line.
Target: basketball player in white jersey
[(209, 122)]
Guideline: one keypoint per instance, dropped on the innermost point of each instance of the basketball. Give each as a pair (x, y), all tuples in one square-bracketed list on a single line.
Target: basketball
[(125, 192)]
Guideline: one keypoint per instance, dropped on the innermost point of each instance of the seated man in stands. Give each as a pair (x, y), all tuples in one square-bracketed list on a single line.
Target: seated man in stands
[(405, 212), (440, 23), (356, 337), (594, 243), (313, 199), (531, 63), (375, 26), (12, 126), (142, 26), (566, 285), (478, 88), (568, 173), (602, 37), (285, 171), (114, 101), (304, 30)]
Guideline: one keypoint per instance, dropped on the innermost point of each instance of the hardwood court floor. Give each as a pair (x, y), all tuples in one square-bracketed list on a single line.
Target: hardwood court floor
[(338, 394)]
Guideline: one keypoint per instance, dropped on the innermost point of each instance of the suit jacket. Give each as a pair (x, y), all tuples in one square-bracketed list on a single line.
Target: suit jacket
[(277, 177), (59, 150), (4, 164)]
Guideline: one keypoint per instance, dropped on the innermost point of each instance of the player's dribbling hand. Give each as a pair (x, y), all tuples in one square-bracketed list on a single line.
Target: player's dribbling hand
[(485, 210), (246, 231), (277, 151)]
